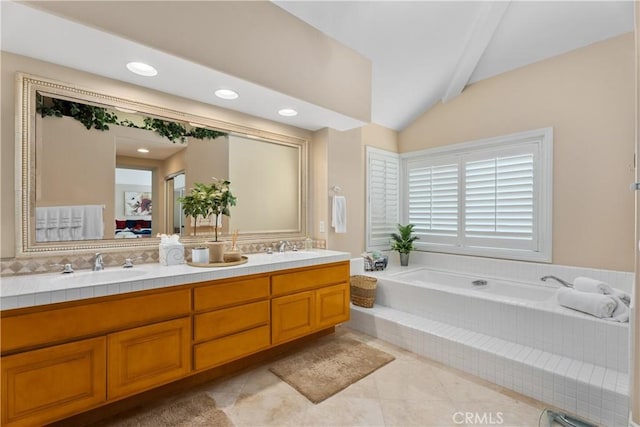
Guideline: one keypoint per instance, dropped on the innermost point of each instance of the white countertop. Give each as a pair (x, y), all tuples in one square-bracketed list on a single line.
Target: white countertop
[(39, 289)]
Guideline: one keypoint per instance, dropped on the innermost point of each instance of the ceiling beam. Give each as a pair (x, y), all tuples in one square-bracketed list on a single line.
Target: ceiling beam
[(482, 31)]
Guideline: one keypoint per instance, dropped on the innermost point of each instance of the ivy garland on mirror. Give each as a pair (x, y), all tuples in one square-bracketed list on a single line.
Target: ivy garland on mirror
[(100, 118)]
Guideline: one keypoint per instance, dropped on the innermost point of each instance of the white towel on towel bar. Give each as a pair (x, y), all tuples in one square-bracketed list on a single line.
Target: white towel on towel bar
[(64, 223), (53, 222), (339, 214), (93, 224), (41, 224), (587, 284), (597, 305), (77, 220)]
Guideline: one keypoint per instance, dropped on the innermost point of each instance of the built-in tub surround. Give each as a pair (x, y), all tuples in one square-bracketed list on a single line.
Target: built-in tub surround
[(512, 333), (32, 290)]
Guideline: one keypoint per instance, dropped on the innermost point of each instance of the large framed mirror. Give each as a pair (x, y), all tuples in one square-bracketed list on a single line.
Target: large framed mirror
[(98, 172)]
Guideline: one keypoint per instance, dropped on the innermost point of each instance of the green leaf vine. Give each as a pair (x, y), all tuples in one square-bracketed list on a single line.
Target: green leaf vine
[(100, 118)]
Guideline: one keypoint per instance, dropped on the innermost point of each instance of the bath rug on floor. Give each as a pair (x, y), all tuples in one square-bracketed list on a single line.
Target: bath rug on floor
[(328, 366), (191, 411)]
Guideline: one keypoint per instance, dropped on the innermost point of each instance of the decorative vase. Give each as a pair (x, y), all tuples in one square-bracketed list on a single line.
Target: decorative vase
[(216, 252), (200, 255), (232, 256), (404, 259)]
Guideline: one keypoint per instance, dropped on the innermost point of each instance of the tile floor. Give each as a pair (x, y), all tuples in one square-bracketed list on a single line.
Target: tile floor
[(410, 391)]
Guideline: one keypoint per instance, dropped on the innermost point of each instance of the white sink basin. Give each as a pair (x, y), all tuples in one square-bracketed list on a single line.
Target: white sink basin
[(94, 277), (292, 255)]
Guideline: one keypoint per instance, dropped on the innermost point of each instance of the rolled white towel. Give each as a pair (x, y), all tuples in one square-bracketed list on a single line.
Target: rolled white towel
[(587, 284), (621, 313), (595, 304)]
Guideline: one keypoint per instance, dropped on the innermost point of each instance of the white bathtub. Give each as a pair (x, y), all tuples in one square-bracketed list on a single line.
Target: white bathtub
[(507, 290), (513, 334)]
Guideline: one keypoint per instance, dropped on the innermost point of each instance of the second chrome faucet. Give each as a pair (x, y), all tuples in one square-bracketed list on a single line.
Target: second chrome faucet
[(98, 263)]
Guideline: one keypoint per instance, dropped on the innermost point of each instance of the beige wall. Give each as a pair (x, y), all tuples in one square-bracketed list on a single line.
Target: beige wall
[(635, 318), (344, 170), (265, 178), (63, 181), (294, 58), (318, 160), (338, 159), (13, 63), (587, 97)]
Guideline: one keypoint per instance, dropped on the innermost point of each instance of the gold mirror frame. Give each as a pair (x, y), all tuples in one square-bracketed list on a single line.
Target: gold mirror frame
[(27, 87)]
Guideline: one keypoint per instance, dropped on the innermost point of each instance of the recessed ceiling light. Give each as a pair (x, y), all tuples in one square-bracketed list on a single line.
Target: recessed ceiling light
[(226, 94), (142, 150), (288, 112), (142, 69)]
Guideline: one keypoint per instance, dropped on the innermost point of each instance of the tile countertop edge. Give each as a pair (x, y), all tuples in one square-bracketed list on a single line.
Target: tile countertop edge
[(38, 289)]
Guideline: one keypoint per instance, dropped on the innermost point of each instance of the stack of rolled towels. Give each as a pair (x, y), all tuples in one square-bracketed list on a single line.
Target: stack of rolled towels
[(596, 298)]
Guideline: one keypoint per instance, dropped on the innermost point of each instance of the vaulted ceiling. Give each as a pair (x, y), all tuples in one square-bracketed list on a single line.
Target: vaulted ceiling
[(423, 52)]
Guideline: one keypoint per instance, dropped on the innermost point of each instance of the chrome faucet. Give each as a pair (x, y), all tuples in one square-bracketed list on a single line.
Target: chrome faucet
[(282, 246), (98, 263), (562, 282)]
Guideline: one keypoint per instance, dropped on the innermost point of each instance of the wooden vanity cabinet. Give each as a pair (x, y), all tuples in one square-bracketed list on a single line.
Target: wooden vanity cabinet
[(307, 300), (43, 385), (59, 360)]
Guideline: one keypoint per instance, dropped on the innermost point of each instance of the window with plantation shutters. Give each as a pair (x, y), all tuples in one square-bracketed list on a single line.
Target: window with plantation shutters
[(489, 198), (383, 197)]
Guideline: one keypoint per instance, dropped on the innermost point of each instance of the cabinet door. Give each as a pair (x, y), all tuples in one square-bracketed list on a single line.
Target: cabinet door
[(41, 386), (292, 316), (141, 358), (332, 305)]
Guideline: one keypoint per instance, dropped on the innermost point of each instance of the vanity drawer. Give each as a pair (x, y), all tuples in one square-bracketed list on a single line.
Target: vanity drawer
[(308, 279), (222, 350), (230, 293), (90, 318), (230, 320)]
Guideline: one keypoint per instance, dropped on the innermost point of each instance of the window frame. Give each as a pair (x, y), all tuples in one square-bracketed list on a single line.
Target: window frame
[(542, 140)]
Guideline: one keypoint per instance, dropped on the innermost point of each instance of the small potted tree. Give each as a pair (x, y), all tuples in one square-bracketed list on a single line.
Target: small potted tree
[(206, 200), (403, 242)]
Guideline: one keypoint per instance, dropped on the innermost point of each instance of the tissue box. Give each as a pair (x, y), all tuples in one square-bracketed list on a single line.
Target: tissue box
[(171, 254)]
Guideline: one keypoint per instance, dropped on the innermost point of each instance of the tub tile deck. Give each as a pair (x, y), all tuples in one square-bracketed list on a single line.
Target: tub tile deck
[(593, 392)]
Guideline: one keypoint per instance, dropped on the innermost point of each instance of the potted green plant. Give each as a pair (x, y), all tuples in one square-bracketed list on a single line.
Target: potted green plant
[(403, 242), (207, 200)]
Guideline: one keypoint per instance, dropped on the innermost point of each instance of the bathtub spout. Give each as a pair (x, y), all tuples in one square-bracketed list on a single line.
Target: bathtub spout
[(562, 282)]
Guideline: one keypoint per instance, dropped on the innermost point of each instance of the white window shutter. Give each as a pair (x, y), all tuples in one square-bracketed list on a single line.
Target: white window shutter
[(499, 200), (432, 191), (383, 197)]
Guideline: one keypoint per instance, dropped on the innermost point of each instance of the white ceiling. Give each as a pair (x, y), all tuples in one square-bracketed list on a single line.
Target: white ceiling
[(421, 52), (418, 47)]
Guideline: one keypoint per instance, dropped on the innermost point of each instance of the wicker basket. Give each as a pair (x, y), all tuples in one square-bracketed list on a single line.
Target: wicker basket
[(363, 290)]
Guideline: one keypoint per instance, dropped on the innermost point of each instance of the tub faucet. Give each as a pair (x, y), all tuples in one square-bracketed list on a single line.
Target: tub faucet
[(562, 282), (98, 263)]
